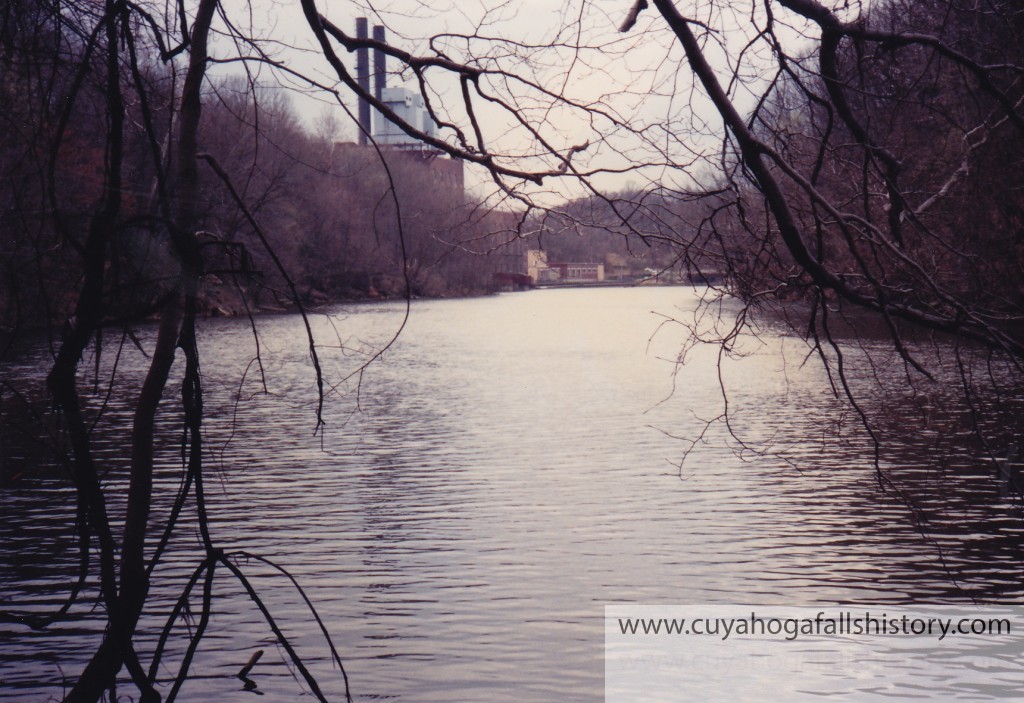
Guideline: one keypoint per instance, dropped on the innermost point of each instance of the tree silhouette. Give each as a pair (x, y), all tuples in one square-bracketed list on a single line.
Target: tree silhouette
[(825, 159)]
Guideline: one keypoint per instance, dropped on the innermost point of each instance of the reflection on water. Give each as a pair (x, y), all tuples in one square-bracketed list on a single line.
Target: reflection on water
[(510, 466)]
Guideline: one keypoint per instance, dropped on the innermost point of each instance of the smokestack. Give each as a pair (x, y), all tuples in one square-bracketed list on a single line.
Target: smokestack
[(380, 68), (363, 78)]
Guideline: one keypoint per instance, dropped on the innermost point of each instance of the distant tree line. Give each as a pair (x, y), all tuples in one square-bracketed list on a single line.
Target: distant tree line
[(347, 221), (894, 146), (639, 235), (329, 209)]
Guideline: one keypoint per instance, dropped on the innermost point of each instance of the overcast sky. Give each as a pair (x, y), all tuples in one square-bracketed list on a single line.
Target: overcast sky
[(573, 49)]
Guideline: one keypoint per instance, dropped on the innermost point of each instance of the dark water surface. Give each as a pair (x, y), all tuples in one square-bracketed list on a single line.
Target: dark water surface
[(508, 468)]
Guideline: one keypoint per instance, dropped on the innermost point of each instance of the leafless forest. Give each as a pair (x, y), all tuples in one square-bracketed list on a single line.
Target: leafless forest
[(854, 169)]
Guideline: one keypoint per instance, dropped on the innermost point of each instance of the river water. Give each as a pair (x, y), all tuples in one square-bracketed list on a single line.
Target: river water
[(506, 469)]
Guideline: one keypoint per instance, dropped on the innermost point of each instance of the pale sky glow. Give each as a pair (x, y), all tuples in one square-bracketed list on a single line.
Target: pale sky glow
[(629, 96)]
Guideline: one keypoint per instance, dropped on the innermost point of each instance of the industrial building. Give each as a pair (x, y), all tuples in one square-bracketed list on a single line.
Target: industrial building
[(541, 271), (410, 107), (407, 104)]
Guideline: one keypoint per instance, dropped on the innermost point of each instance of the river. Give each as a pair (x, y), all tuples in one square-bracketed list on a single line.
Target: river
[(507, 467)]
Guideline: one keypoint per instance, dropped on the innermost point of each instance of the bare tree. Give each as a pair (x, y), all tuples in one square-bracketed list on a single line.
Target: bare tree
[(788, 145), (840, 151)]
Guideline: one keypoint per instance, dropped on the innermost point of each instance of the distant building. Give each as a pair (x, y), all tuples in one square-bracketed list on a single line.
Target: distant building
[(409, 106), (579, 272), (617, 267), (448, 173), (536, 261), (538, 268)]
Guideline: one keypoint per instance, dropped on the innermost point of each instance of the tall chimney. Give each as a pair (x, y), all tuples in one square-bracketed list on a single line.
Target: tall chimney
[(363, 78), (380, 68)]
